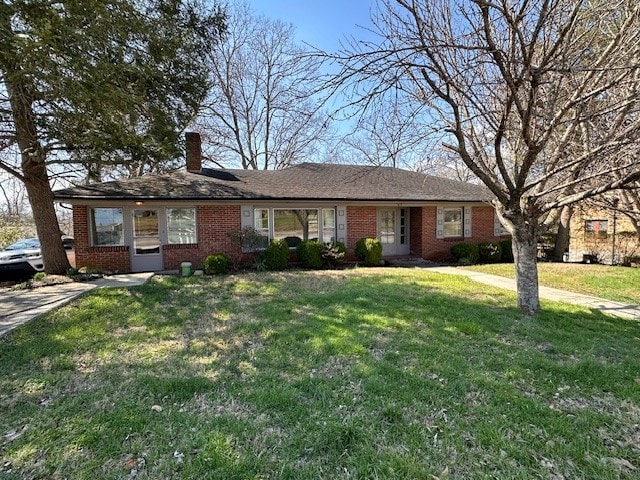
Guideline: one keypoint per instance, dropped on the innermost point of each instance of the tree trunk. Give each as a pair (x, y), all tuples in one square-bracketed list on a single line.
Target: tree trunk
[(34, 171), (524, 244), (44, 214), (562, 239)]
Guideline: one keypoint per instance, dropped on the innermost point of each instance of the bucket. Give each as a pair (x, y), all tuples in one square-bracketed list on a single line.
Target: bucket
[(186, 269)]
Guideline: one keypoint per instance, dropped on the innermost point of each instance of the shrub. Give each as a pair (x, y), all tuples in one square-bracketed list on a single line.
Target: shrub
[(466, 252), (309, 253), (247, 242), (507, 251), (333, 254), (276, 255), (369, 251), (216, 263), (489, 252), (39, 276)]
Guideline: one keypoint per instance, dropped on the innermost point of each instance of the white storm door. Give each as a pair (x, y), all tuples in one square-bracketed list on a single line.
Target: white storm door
[(387, 230), (393, 231), (146, 254)]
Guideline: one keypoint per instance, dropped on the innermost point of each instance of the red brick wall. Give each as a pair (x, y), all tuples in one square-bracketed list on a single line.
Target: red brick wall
[(423, 232), (361, 222), (214, 222), (415, 230), (114, 259), (482, 224)]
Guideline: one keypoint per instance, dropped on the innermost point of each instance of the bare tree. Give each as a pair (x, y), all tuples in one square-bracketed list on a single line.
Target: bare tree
[(262, 112), (391, 133), (14, 204), (516, 84)]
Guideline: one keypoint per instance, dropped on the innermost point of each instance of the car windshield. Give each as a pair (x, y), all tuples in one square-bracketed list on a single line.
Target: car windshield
[(29, 243)]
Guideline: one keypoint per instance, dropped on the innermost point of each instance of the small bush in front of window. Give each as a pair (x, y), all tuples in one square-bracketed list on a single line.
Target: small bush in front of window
[(333, 254), (489, 252), (276, 255), (247, 243), (369, 251), (216, 264), (466, 253), (309, 253)]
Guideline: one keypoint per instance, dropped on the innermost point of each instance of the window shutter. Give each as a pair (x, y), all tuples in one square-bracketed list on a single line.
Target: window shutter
[(439, 222), (341, 224), (467, 222)]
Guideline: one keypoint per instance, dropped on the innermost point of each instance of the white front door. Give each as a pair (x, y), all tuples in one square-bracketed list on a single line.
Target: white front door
[(393, 231), (146, 255)]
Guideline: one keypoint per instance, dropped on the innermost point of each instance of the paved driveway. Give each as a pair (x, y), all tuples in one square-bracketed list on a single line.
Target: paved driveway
[(20, 306)]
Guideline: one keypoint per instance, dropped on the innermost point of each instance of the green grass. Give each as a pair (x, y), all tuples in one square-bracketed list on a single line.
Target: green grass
[(614, 283), (366, 373)]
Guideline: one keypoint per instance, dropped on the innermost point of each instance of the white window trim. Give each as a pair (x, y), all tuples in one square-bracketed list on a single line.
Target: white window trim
[(248, 213), (92, 227), (195, 224), (467, 212), (461, 223)]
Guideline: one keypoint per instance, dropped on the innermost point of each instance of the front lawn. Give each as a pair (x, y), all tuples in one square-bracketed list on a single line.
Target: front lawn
[(365, 373), (621, 284)]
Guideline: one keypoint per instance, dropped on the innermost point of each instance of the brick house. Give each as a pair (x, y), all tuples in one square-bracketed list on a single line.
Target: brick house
[(601, 235), (155, 222)]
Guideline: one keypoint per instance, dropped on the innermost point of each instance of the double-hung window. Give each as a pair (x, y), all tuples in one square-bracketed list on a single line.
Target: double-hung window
[(452, 222), (596, 228), (106, 226), (181, 225), (328, 225), (261, 224)]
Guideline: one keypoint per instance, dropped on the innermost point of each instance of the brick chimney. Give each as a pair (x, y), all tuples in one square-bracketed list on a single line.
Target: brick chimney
[(194, 152)]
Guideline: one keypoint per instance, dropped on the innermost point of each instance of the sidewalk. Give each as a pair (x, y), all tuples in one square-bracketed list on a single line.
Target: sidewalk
[(617, 309), (20, 306)]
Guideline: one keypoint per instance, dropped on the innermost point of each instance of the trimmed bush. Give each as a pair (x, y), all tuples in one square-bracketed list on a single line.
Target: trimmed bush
[(217, 263), (333, 254), (489, 252), (369, 251), (309, 253), (507, 251), (466, 252), (276, 255)]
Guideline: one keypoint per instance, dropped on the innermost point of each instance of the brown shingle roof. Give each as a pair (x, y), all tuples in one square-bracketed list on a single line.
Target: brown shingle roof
[(306, 181)]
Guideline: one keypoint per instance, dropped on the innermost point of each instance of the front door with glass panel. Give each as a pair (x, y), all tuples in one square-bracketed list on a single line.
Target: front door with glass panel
[(393, 231), (146, 255)]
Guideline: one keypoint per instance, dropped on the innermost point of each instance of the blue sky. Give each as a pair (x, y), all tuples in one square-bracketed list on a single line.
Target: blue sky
[(321, 23)]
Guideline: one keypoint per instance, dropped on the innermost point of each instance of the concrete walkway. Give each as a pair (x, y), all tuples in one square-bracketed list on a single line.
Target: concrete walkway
[(20, 306), (618, 309)]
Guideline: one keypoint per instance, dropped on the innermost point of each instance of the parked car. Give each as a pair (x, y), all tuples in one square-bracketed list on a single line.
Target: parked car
[(23, 258)]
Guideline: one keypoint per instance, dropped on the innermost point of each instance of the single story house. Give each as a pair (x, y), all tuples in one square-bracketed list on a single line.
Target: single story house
[(155, 222)]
